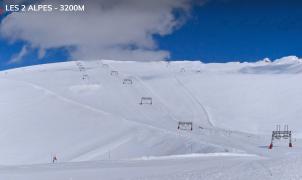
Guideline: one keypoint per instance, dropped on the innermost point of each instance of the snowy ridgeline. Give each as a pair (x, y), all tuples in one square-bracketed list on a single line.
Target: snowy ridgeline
[(100, 110)]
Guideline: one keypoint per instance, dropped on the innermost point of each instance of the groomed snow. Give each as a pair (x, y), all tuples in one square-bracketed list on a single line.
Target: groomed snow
[(94, 123)]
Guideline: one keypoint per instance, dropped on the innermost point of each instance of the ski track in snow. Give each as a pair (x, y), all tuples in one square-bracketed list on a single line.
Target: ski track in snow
[(196, 100), (70, 101)]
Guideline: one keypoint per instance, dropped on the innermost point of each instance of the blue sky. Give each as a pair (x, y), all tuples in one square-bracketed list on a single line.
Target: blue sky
[(223, 31), (219, 31)]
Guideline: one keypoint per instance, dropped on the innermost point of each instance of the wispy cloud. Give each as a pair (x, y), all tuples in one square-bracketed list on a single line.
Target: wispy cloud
[(16, 58)]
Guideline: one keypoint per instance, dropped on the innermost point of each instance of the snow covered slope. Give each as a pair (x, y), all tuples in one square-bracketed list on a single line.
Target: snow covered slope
[(84, 111)]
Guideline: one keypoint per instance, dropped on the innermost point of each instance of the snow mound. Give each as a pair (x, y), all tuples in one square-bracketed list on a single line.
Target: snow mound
[(285, 65), (288, 60)]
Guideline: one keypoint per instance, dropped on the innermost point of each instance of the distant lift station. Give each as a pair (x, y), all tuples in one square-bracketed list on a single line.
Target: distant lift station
[(278, 134)]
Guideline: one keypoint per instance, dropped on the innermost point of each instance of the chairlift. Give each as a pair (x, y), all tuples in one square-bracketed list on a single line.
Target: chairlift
[(278, 134), (146, 100), (114, 73), (127, 81), (185, 125), (85, 76)]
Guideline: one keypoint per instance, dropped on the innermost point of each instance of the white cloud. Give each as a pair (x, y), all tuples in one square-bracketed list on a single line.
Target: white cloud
[(109, 29)]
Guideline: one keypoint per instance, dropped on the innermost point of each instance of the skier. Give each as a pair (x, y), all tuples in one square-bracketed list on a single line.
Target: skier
[(54, 159)]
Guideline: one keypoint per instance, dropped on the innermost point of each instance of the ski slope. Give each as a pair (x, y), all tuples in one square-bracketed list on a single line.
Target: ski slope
[(82, 112)]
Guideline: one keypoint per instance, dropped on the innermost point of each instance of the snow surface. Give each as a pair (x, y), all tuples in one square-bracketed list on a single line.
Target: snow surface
[(83, 113)]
